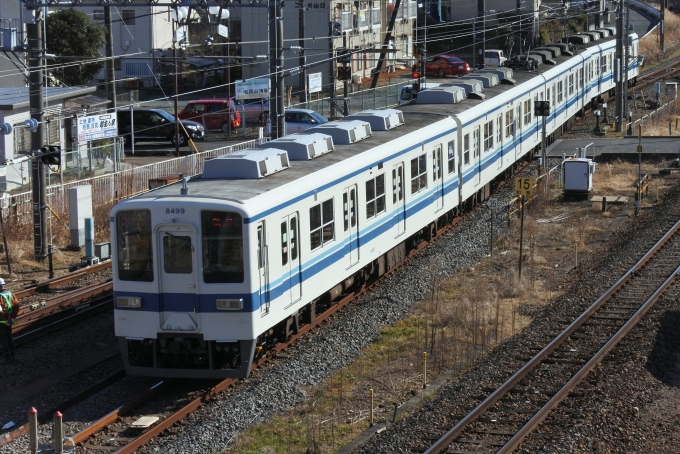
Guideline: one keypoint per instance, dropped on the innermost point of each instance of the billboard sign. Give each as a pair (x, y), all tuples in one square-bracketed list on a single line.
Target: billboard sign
[(253, 88), (314, 83), (95, 127)]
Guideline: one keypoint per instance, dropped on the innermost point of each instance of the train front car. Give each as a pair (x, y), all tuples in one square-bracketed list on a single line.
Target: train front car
[(181, 287)]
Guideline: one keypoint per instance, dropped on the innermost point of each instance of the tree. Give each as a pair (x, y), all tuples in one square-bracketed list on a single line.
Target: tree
[(72, 33)]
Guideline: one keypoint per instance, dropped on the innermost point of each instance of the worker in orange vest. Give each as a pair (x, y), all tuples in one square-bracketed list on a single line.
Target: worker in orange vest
[(9, 309)]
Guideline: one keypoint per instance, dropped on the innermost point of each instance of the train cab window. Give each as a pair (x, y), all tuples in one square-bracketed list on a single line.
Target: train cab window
[(466, 149), (452, 156), (375, 196), (418, 173), (133, 234), (177, 254), (222, 246), (321, 224)]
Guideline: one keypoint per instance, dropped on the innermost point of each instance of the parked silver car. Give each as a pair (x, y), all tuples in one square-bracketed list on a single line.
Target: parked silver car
[(298, 120), (253, 110)]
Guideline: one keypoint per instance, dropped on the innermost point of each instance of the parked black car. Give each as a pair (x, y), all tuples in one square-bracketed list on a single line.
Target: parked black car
[(153, 125)]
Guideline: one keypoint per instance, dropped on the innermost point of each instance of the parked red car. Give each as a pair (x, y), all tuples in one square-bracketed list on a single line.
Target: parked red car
[(212, 113), (444, 65)]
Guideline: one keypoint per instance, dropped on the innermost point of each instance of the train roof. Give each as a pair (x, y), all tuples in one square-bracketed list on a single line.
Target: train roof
[(241, 190), (416, 117)]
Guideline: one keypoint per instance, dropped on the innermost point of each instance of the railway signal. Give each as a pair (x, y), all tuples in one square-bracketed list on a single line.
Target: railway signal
[(541, 108)]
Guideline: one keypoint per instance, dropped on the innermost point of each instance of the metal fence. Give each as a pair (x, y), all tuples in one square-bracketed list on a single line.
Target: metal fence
[(111, 187), (378, 98)]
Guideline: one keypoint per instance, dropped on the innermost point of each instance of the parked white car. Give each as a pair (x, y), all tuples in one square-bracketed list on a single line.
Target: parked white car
[(298, 120), (494, 57)]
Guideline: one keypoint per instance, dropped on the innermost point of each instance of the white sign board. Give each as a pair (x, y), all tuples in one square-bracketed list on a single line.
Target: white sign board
[(96, 127), (253, 88), (314, 83), (222, 30)]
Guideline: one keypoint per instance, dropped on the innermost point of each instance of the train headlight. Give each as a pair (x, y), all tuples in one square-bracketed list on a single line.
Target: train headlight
[(128, 301), (229, 305)]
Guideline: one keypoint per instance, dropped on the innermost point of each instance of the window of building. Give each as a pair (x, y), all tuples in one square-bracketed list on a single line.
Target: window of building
[(375, 196), (98, 14), (452, 156), (321, 224), (418, 174), (129, 17), (488, 136)]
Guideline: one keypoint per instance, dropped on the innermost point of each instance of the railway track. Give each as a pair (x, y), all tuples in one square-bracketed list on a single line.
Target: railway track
[(505, 417)]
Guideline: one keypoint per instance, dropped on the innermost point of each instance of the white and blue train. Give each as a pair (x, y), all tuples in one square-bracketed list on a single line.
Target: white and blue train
[(210, 273)]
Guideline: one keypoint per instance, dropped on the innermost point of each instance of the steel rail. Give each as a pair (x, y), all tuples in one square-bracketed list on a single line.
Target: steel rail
[(448, 438), (51, 284), (562, 394), (29, 318)]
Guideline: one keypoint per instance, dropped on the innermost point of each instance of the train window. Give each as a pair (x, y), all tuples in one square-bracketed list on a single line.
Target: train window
[(527, 111), (508, 123), (345, 212), (571, 84), (603, 64), (466, 149), (321, 224), (375, 196), (397, 184), (284, 243), (499, 129), (560, 91), (418, 173), (452, 156), (437, 163), (580, 79), (177, 256), (293, 239), (488, 136), (222, 246), (352, 207), (133, 231)]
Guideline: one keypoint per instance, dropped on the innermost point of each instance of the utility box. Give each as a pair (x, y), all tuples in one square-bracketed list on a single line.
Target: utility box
[(578, 175), (79, 208), (102, 250)]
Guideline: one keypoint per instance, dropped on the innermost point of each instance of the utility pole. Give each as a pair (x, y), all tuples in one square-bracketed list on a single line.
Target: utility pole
[(35, 93), (110, 72), (481, 17), (345, 81), (620, 36), (303, 57), (519, 25), (662, 23), (388, 37), (276, 67), (626, 58), (175, 70)]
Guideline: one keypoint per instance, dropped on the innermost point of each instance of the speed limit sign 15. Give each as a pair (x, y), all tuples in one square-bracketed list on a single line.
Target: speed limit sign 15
[(523, 186)]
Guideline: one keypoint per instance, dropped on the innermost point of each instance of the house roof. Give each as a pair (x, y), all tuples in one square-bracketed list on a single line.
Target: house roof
[(13, 98)]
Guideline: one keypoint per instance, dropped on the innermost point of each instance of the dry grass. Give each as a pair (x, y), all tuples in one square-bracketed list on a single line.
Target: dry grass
[(650, 45)]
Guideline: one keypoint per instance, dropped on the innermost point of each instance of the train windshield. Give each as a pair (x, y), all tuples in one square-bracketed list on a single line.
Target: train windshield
[(222, 240), (133, 230)]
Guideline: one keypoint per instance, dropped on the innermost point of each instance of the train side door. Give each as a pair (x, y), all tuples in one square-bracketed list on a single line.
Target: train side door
[(437, 177), (290, 257), (263, 268), (499, 141), (398, 199), (350, 223), (178, 292)]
